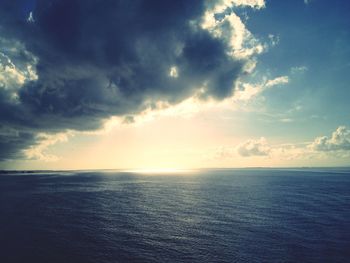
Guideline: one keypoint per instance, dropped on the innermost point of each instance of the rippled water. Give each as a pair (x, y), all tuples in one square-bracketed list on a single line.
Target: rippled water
[(204, 216)]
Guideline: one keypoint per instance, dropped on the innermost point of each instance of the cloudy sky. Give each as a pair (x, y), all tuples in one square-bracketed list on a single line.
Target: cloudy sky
[(174, 84)]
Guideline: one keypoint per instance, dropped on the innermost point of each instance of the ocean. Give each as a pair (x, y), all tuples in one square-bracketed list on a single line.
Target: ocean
[(227, 215)]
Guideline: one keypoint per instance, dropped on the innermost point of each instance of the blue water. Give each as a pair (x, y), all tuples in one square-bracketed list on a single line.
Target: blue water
[(237, 215)]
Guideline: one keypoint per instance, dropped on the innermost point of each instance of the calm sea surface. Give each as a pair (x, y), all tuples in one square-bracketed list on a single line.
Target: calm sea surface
[(238, 215)]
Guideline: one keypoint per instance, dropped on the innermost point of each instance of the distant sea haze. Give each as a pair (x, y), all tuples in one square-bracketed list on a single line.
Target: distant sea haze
[(229, 215)]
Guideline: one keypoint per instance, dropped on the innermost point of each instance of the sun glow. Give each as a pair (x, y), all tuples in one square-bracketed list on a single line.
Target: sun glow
[(160, 171)]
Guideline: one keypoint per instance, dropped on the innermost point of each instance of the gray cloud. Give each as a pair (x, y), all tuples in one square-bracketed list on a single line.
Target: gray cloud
[(84, 61)]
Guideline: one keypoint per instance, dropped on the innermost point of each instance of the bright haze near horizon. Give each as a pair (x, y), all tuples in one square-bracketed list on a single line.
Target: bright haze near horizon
[(174, 84)]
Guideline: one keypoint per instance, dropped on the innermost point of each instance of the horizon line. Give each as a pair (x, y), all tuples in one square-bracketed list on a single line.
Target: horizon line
[(174, 169)]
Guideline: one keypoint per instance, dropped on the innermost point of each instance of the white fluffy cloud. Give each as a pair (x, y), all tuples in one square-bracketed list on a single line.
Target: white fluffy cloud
[(338, 144), (277, 81), (335, 148), (246, 91), (223, 4), (173, 72), (339, 141), (39, 151), (231, 28), (254, 148), (30, 18), (17, 66)]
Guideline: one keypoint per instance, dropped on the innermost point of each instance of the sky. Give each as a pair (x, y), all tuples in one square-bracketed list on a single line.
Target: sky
[(155, 84)]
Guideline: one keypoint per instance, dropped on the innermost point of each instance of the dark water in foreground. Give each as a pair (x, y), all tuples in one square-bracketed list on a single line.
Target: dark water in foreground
[(206, 216)]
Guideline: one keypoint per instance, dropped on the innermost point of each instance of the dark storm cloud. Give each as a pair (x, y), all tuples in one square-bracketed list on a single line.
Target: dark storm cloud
[(102, 58), (13, 141)]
